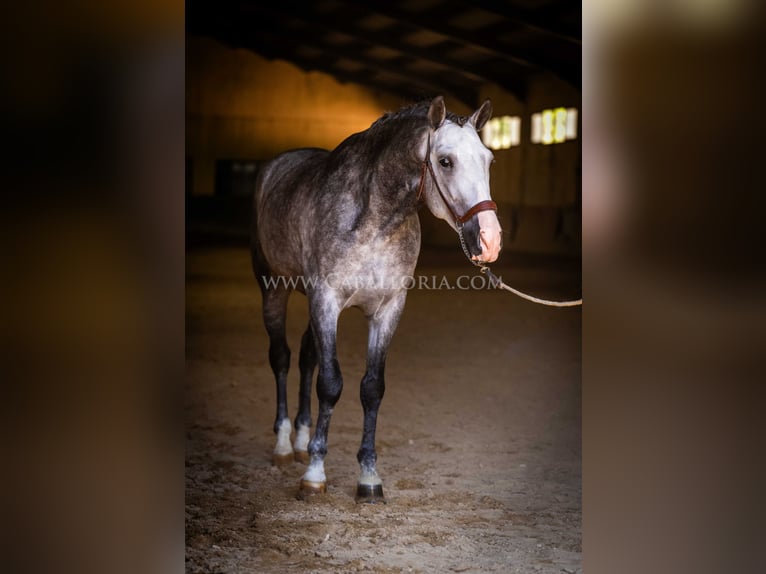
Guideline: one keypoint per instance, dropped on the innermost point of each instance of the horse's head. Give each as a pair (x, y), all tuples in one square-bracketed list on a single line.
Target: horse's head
[(459, 168)]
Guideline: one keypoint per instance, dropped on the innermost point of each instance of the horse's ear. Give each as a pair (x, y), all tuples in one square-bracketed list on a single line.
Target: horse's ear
[(436, 112), (482, 115)]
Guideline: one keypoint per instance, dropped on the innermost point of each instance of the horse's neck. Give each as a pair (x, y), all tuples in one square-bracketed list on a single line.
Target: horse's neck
[(392, 193), (396, 173), (377, 176)]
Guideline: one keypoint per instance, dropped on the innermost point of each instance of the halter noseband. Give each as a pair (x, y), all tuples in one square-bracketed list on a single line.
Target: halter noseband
[(485, 205)]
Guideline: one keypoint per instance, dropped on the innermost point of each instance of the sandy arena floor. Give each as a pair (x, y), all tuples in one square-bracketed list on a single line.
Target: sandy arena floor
[(478, 434)]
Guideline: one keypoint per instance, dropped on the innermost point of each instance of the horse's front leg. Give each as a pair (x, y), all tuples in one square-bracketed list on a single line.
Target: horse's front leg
[(324, 311), (381, 328)]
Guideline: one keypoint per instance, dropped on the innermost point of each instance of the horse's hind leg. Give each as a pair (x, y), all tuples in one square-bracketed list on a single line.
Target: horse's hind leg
[(307, 362), (274, 311), (324, 322), (381, 328)]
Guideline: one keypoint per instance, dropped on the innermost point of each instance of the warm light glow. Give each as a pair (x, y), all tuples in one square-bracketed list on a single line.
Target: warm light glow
[(486, 134), (495, 133), (572, 123), (505, 132), (502, 132), (515, 130), (560, 125), (554, 126), (547, 127), (537, 128)]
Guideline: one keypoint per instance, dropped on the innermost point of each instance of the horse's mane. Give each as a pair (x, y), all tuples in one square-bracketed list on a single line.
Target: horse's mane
[(368, 145), (418, 110)]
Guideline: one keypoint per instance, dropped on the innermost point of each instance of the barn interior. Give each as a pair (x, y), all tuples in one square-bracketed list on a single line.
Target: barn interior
[(479, 434), (266, 77)]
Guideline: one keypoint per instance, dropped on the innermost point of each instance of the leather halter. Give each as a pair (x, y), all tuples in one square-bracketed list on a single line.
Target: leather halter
[(485, 205)]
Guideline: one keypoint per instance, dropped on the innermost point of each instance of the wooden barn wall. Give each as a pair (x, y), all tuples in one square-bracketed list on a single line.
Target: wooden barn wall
[(242, 106)]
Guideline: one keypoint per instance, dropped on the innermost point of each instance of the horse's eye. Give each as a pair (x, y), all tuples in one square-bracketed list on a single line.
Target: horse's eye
[(445, 162)]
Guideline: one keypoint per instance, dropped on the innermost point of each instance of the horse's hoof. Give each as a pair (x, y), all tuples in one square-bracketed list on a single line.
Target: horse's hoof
[(281, 460), (302, 456), (308, 489), (370, 494)]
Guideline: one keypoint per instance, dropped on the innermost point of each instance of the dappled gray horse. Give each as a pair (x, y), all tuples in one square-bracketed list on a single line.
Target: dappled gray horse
[(342, 227)]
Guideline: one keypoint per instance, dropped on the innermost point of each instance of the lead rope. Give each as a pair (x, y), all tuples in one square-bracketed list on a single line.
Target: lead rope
[(484, 269), (497, 283)]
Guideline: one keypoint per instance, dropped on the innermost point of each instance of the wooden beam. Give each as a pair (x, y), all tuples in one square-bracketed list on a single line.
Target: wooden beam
[(480, 40), (284, 36), (478, 73), (526, 19), (466, 95), (238, 34), (269, 45), (307, 34)]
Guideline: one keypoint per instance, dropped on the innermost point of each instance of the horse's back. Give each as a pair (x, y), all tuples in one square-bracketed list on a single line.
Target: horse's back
[(281, 173)]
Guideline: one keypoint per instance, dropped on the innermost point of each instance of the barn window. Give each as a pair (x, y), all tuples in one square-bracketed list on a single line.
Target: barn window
[(554, 126), (502, 132)]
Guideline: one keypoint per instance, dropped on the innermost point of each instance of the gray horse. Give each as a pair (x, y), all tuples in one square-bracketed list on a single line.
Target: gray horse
[(342, 227)]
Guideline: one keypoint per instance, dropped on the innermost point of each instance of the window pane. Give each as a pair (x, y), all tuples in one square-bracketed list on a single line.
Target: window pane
[(486, 134), (515, 130), (560, 125), (505, 132), (572, 123), (547, 127), (536, 135), (495, 141)]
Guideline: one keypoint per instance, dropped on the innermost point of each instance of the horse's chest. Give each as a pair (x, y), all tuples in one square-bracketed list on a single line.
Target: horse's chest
[(372, 278)]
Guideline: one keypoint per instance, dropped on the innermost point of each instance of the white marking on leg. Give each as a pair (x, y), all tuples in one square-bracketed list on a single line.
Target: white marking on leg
[(315, 471), (302, 438), (283, 439), (369, 477)]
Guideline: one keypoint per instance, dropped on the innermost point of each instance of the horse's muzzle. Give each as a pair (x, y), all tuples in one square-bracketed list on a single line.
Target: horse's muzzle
[(483, 236), (490, 236)]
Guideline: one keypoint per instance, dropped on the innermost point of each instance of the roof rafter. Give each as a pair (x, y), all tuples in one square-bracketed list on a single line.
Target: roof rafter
[(481, 41), (525, 19), (453, 47), (306, 34), (407, 85), (477, 74)]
